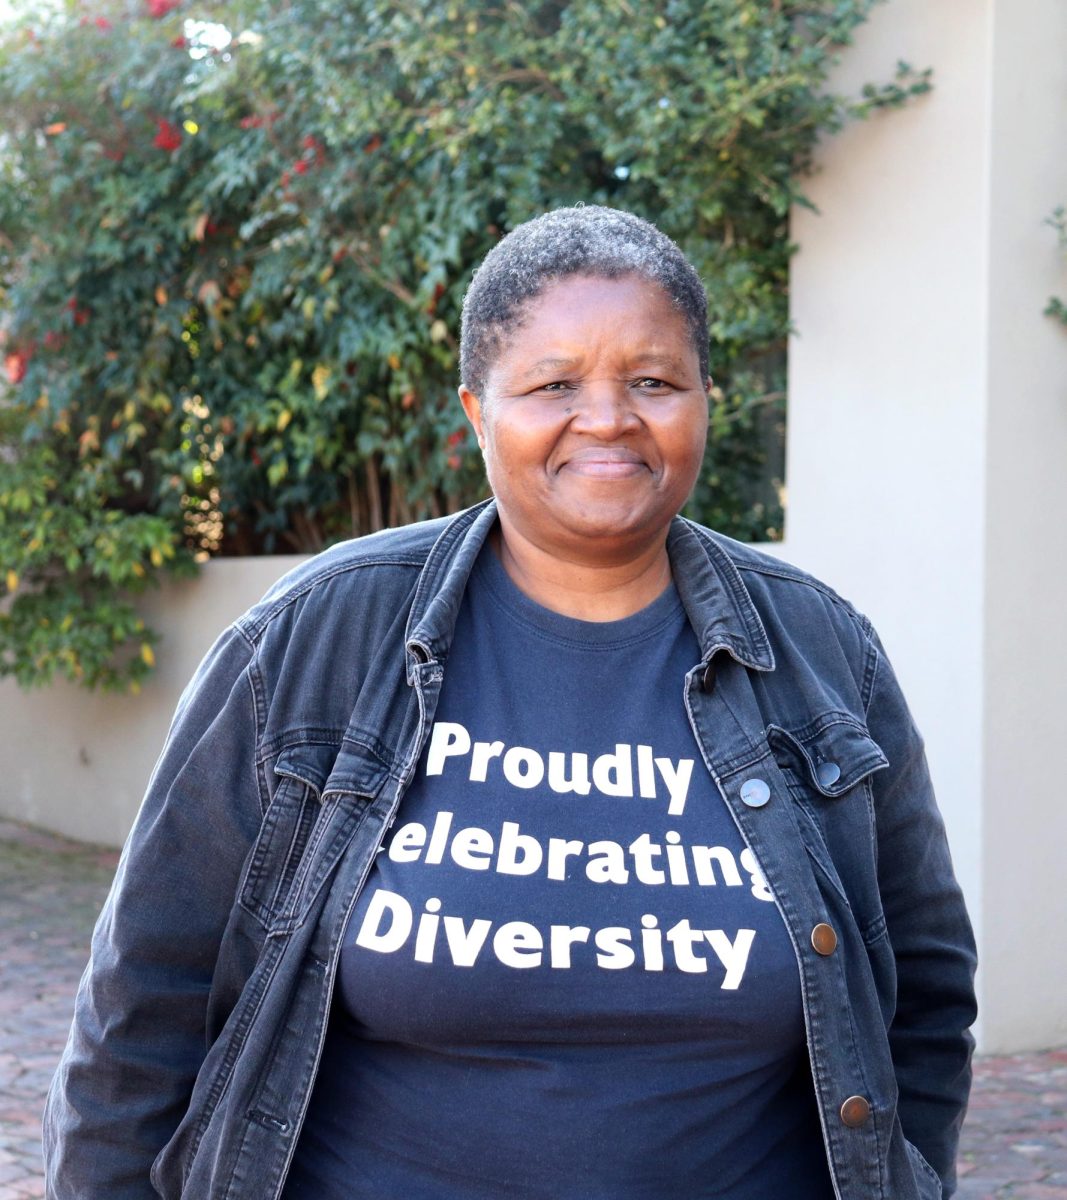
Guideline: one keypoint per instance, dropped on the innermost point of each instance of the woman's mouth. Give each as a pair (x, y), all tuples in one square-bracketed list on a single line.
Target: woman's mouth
[(605, 462)]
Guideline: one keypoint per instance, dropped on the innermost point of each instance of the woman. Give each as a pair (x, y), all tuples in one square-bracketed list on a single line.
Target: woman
[(560, 849)]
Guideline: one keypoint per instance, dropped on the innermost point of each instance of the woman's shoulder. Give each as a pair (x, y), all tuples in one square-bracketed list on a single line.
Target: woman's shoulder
[(772, 581), (384, 562)]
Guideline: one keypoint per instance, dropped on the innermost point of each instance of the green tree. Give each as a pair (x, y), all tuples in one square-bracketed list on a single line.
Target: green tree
[(235, 240), (1056, 307)]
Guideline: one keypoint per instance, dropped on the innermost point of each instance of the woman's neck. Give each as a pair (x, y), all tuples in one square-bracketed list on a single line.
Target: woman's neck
[(588, 591)]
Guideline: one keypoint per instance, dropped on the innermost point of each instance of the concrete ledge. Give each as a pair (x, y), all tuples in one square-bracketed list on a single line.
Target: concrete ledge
[(77, 762)]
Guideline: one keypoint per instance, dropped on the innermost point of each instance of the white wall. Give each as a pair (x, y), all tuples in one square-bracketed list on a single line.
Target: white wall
[(886, 434), (928, 444), (78, 763), (1025, 647)]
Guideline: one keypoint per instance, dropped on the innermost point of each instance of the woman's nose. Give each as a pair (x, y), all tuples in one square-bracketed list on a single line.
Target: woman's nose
[(604, 408)]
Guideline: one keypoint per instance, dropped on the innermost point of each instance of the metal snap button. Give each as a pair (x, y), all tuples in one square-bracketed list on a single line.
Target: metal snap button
[(827, 773), (755, 793), (855, 1111), (824, 939)]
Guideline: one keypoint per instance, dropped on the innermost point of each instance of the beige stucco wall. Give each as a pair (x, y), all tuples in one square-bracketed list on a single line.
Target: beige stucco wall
[(78, 763), (886, 436), (927, 461), (1024, 930)]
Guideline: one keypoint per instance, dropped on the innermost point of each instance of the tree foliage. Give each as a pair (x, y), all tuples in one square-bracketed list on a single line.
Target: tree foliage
[(1056, 306), (234, 240)]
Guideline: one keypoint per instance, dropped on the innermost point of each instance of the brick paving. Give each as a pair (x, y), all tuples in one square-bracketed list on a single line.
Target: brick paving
[(50, 893), (1014, 1141)]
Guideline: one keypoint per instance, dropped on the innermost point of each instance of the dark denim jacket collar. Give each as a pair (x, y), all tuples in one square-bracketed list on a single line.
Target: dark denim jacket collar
[(719, 606)]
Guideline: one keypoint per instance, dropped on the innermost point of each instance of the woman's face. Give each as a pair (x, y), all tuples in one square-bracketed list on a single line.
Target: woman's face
[(593, 418)]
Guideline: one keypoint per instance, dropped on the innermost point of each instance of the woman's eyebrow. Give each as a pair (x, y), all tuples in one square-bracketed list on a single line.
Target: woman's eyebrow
[(550, 365), (658, 360), (553, 365)]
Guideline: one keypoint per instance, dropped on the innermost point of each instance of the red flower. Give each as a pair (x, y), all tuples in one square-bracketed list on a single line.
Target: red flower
[(103, 23), (179, 43), (438, 292), (160, 8), (15, 365), (168, 137), (372, 144), (81, 316), (454, 461), (251, 122), (456, 437), (53, 339), (313, 155)]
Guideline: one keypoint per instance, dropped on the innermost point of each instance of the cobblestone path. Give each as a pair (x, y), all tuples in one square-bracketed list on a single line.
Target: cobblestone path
[(50, 893), (1014, 1141)]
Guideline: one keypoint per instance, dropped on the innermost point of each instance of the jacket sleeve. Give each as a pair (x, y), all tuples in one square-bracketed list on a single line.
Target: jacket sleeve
[(138, 1036), (929, 932)]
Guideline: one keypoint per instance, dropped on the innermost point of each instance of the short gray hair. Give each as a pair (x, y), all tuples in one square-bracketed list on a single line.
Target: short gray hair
[(585, 240)]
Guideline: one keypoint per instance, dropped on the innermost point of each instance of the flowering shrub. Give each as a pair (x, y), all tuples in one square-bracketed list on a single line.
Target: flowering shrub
[(236, 237)]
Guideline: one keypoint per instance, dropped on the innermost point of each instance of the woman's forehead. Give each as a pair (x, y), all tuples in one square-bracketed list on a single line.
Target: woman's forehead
[(590, 288), (574, 315)]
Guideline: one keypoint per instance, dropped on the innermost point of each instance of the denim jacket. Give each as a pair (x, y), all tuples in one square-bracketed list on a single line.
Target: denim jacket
[(201, 1016)]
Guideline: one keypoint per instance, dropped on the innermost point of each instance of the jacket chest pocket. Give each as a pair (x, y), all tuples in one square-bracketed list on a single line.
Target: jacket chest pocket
[(300, 773), (828, 766)]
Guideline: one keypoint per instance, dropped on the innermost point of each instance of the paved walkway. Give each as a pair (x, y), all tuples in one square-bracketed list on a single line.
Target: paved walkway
[(1014, 1142)]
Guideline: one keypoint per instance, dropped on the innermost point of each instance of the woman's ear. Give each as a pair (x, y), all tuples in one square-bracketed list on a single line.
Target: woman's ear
[(472, 406)]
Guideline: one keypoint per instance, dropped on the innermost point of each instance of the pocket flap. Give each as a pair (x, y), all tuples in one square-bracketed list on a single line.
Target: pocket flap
[(356, 771), (308, 762), (328, 767), (833, 754)]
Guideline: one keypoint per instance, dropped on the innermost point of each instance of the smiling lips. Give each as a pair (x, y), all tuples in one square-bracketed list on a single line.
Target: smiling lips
[(605, 462)]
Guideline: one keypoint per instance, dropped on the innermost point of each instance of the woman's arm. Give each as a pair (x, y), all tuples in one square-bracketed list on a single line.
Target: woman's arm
[(929, 931), (138, 1036)]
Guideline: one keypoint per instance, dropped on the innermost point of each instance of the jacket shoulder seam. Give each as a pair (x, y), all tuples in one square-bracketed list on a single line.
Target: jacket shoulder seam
[(252, 625), (861, 622), (774, 570), (257, 690), (799, 577), (870, 676)]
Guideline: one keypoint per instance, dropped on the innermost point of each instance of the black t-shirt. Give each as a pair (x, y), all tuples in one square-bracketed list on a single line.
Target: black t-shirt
[(566, 976)]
